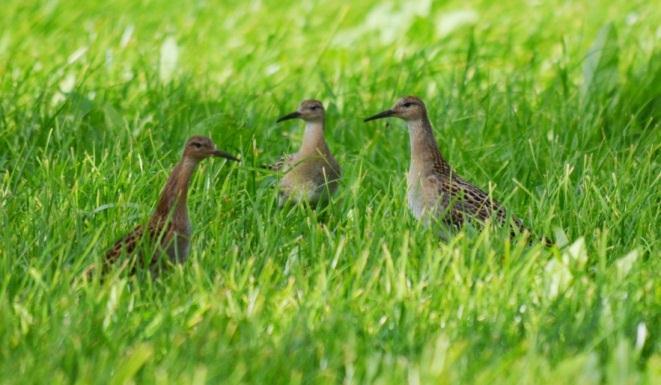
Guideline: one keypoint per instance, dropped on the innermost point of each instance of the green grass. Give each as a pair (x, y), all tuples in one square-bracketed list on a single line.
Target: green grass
[(554, 105)]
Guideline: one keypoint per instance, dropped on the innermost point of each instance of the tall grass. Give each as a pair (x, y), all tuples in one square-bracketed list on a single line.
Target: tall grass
[(553, 106)]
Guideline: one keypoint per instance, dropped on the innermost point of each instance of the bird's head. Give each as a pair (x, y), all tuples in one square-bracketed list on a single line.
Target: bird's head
[(309, 110), (201, 147), (406, 108)]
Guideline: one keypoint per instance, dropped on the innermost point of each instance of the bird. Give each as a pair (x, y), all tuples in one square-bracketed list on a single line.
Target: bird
[(435, 192), (168, 231), (312, 174)]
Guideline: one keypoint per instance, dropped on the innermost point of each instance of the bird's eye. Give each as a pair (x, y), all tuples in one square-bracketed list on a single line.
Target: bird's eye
[(196, 144), (314, 108), (407, 105)]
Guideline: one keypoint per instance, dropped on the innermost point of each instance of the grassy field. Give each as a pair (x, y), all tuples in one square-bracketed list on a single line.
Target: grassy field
[(554, 105)]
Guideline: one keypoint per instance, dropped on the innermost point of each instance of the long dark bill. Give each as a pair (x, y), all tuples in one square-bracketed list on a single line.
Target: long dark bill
[(293, 115), (226, 155), (380, 115)]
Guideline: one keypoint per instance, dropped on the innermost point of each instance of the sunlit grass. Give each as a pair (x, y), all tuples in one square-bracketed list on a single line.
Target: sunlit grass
[(553, 106)]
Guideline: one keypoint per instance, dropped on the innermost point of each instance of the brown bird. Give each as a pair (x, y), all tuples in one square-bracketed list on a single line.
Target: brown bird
[(435, 191), (168, 231), (312, 174)]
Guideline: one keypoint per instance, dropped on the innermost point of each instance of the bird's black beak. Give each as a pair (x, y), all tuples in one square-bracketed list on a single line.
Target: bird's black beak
[(293, 115), (380, 115), (223, 154)]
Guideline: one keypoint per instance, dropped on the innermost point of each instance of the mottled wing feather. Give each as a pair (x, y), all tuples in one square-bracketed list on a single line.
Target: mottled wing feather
[(126, 245), (156, 231), (460, 201)]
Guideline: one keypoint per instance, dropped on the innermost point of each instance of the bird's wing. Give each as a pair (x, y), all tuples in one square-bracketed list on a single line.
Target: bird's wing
[(126, 245), (327, 170), (461, 201), (157, 231), (437, 197), (476, 202)]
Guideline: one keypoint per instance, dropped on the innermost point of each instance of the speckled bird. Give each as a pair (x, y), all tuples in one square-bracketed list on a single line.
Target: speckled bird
[(168, 231), (434, 190)]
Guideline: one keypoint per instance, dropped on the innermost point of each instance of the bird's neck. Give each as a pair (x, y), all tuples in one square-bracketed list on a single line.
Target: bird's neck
[(425, 155), (313, 139), (173, 200)]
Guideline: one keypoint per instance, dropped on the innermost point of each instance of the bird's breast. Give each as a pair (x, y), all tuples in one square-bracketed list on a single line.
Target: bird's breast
[(415, 194), (311, 179)]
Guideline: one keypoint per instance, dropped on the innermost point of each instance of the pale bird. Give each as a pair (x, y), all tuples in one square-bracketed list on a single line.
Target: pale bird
[(312, 174), (168, 232), (435, 191)]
